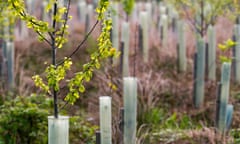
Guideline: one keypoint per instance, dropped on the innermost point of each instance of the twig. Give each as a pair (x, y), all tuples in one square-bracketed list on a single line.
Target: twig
[(24, 14), (46, 40), (80, 45), (54, 57), (65, 20)]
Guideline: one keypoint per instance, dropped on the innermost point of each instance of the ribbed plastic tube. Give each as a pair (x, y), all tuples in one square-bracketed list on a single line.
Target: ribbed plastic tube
[(182, 59), (58, 130), (130, 109), (236, 54), (125, 52), (200, 73), (211, 33), (105, 120), (82, 9), (164, 29), (144, 25), (225, 81), (10, 63)]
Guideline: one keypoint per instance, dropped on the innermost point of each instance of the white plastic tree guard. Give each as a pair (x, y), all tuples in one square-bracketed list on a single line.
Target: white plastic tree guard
[(182, 59), (164, 29), (105, 120), (82, 9), (10, 63), (125, 42), (200, 73), (130, 109), (236, 54), (145, 29), (225, 81), (58, 130), (211, 33), (30, 6)]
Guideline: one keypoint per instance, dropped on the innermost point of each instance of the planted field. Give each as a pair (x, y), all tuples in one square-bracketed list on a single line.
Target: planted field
[(128, 72)]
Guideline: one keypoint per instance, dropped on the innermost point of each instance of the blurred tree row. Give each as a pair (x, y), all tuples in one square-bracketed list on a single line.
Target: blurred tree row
[(201, 13), (7, 19)]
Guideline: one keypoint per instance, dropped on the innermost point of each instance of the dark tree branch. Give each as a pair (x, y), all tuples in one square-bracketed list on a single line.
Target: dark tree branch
[(191, 22), (46, 40), (65, 20), (80, 45), (62, 107), (202, 18), (54, 57)]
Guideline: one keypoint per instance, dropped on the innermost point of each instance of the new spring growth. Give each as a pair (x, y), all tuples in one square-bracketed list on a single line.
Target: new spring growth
[(128, 6), (225, 48), (55, 74)]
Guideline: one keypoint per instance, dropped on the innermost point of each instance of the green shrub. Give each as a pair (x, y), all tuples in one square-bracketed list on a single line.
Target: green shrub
[(23, 120), (81, 131), (235, 133), (152, 116)]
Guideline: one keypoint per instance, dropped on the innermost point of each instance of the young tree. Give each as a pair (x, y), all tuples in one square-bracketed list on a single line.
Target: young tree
[(54, 34), (128, 6), (201, 13)]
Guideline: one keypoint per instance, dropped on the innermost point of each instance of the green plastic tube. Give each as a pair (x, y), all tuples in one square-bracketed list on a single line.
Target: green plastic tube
[(200, 73), (225, 81), (229, 116)]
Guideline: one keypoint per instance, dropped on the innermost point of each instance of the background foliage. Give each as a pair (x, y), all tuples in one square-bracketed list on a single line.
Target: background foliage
[(24, 121)]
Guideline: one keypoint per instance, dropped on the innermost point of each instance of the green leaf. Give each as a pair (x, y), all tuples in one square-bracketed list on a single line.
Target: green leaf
[(230, 43), (81, 88), (128, 6), (222, 47), (225, 59)]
